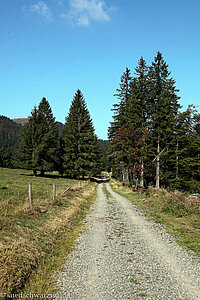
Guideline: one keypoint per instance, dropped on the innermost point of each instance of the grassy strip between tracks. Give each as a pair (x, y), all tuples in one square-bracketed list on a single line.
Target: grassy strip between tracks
[(179, 212), (34, 242)]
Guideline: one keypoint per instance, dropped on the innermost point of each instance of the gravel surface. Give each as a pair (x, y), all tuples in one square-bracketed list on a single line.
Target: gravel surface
[(122, 255)]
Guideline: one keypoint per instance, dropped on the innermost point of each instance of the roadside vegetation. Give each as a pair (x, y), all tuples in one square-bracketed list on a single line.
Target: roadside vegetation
[(178, 211), (34, 242)]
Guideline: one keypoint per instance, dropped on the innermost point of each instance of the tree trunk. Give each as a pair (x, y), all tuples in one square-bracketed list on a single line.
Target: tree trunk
[(42, 173), (177, 160), (142, 173), (34, 173), (130, 178), (134, 184), (158, 164), (123, 175), (126, 176)]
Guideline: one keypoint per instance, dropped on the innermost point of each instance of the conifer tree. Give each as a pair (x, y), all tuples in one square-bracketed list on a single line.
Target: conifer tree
[(38, 150), (119, 109), (162, 106), (80, 142), (136, 107), (48, 152), (120, 114)]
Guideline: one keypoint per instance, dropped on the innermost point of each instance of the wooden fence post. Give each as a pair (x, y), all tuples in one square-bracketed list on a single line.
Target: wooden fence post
[(30, 195), (54, 192)]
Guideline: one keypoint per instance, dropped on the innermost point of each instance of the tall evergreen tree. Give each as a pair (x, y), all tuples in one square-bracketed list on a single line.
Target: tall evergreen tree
[(120, 108), (136, 108), (120, 114), (80, 142), (131, 110), (48, 152), (162, 106), (39, 150)]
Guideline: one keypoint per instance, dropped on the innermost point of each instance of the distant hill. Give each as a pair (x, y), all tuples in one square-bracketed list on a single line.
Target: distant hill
[(21, 121), (9, 132)]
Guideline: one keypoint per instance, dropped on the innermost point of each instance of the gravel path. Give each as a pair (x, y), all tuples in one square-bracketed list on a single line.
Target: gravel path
[(122, 255)]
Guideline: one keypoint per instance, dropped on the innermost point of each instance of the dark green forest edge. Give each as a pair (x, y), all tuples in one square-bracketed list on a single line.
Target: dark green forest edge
[(151, 140)]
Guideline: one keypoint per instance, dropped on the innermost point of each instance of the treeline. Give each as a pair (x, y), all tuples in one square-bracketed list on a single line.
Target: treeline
[(9, 140), (9, 132), (153, 142), (76, 152)]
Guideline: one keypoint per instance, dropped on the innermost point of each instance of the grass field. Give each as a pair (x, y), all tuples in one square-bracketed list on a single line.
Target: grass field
[(35, 241), (179, 212)]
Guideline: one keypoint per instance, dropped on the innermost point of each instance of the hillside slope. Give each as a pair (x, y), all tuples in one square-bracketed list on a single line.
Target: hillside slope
[(9, 132)]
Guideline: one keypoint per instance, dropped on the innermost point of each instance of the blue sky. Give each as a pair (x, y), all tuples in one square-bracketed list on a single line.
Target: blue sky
[(51, 48)]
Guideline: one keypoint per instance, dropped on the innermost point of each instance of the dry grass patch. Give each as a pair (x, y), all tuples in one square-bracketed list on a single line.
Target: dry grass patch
[(18, 259)]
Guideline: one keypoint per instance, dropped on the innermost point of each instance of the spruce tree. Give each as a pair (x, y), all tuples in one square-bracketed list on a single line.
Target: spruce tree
[(38, 149), (119, 109), (80, 142), (136, 107), (120, 114), (162, 106), (48, 152)]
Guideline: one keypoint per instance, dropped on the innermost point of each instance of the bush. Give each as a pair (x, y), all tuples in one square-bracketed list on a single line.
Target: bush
[(194, 186), (179, 184)]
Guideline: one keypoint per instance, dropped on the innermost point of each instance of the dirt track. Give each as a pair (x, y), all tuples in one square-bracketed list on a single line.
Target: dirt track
[(122, 255)]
